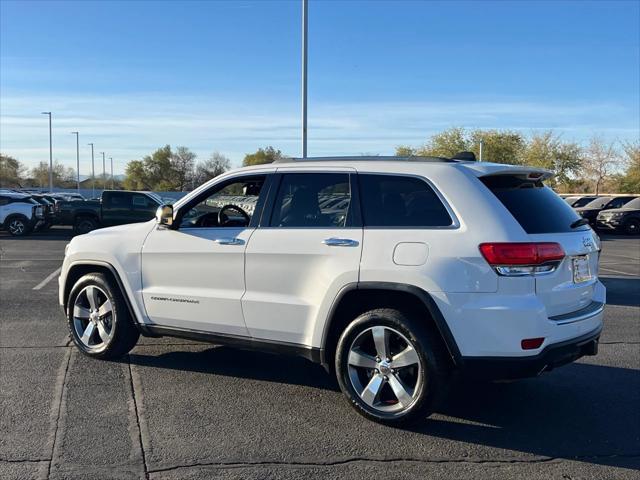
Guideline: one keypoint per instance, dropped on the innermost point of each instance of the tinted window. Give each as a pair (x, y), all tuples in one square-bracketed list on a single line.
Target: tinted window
[(536, 207), (4, 200), (312, 200), (397, 201), (582, 202), (142, 201)]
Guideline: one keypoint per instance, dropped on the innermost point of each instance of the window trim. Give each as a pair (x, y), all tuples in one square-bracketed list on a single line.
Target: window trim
[(455, 223), (257, 212), (354, 204)]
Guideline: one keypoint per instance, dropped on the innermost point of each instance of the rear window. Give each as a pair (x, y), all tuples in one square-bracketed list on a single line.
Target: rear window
[(537, 208), (399, 201)]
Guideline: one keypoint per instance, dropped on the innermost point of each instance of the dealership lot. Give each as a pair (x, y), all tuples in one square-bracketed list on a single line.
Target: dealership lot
[(179, 409)]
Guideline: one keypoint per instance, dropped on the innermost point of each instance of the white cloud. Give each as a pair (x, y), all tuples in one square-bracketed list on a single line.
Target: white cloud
[(130, 126)]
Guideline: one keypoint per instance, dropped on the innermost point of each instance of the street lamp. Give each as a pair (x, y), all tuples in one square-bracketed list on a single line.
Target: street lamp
[(77, 134), (104, 172), (111, 158), (93, 172), (305, 9), (50, 154)]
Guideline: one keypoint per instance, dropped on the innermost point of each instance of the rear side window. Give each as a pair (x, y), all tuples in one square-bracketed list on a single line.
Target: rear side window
[(399, 201), (537, 208)]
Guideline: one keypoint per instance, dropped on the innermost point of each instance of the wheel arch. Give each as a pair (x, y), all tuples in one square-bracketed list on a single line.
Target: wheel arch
[(78, 269), (356, 298)]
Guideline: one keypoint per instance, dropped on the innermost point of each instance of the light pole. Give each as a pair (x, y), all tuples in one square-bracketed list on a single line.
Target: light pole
[(481, 145), (104, 172), (111, 158), (93, 172), (305, 8), (50, 154), (77, 134)]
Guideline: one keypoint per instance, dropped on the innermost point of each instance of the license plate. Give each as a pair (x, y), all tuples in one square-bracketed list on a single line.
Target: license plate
[(581, 269)]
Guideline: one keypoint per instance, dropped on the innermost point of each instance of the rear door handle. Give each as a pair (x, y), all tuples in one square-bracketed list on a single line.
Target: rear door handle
[(340, 242), (229, 241)]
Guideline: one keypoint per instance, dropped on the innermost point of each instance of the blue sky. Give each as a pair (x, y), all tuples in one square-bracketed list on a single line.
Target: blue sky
[(225, 76)]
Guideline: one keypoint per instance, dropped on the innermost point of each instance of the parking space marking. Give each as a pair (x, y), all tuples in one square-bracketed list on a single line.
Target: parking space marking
[(48, 279), (619, 272)]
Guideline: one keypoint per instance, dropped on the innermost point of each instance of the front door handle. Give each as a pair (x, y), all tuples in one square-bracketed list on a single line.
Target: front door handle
[(340, 242), (229, 241)]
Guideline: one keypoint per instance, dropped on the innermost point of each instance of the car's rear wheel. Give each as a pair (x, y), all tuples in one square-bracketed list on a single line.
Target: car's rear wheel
[(18, 226), (632, 226), (390, 367), (98, 318), (84, 225)]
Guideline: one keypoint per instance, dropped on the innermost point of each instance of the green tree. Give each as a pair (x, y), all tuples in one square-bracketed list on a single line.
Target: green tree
[(497, 146), (565, 159), (135, 176), (11, 171), (261, 156), (629, 182), (443, 144)]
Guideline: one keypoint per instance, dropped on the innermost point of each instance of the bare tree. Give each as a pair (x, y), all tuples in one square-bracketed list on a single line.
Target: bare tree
[(216, 165), (601, 160), (183, 162)]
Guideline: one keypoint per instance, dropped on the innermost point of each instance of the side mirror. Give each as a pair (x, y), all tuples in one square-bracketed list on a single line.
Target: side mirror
[(164, 215)]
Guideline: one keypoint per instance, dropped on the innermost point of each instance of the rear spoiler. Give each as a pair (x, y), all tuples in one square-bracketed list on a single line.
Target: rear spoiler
[(525, 172)]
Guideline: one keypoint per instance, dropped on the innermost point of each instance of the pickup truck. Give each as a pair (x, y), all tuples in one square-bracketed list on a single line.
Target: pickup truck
[(115, 207)]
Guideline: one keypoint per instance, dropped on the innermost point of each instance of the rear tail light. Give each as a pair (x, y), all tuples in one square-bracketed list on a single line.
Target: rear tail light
[(526, 258)]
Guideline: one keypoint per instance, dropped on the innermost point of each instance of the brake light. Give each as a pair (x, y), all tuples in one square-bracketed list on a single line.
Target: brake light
[(523, 258), (521, 253)]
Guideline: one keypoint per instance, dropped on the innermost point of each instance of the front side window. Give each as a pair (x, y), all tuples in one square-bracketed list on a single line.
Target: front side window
[(313, 200), (400, 201), (231, 204)]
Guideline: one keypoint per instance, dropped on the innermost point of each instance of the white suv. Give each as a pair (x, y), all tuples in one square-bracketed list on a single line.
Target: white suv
[(396, 273), (20, 214)]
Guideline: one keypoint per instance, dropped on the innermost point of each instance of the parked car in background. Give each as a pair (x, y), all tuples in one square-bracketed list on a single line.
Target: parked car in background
[(115, 207), (49, 209), (625, 219), (577, 201), (591, 210), (20, 214)]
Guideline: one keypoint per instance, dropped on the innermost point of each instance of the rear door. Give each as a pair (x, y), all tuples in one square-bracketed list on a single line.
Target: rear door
[(305, 250), (545, 217)]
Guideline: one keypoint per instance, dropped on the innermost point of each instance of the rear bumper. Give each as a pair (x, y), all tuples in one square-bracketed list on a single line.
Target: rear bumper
[(554, 355)]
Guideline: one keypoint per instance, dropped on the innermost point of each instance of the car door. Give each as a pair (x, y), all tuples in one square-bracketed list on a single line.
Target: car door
[(193, 273), (306, 249)]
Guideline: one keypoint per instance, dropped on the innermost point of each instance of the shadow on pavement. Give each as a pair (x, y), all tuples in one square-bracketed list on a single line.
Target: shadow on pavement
[(582, 412), (622, 291)]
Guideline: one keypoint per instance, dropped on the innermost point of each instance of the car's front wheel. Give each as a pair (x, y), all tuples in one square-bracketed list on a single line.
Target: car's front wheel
[(390, 367), (632, 226), (98, 318)]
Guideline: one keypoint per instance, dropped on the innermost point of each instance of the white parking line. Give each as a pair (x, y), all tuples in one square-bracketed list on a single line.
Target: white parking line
[(48, 279), (619, 272)]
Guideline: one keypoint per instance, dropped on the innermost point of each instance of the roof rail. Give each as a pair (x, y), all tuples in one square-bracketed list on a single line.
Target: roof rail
[(365, 158)]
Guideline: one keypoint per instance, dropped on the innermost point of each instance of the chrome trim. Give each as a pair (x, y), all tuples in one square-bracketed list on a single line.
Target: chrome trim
[(229, 241), (591, 310), (340, 242)]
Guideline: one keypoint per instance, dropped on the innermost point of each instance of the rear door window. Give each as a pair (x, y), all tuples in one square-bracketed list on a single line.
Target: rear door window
[(400, 201), (536, 207)]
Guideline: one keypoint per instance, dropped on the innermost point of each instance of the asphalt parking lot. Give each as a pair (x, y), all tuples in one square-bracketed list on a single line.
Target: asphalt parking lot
[(178, 409)]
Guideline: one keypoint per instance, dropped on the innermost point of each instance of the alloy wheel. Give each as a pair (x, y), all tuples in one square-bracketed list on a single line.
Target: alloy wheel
[(93, 318), (17, 227), (385, 369)]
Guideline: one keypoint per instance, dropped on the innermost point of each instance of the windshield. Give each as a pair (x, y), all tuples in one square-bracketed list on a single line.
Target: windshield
[(598, 202), (635, 203), (581, 202)]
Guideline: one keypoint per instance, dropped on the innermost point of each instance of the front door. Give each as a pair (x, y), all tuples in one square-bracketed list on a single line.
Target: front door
[(193, 274), (302, 255)]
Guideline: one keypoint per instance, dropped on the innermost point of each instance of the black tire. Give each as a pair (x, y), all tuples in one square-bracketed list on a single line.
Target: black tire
[(84, 224), (632, 226), (124, 335), (432, 378), (18, 225)]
